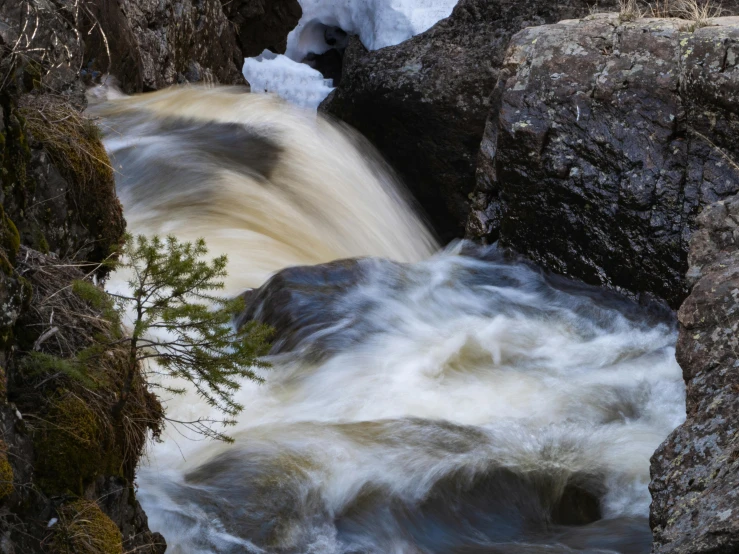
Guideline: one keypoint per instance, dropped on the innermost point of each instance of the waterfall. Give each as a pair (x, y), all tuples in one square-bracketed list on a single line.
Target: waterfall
[(447, 401)]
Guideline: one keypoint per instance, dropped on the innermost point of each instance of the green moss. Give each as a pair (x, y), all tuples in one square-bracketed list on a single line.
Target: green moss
[(101, 301), (16, 156), (69, 448), (40, 242), (41, 365), (83, 528), (6, 472)]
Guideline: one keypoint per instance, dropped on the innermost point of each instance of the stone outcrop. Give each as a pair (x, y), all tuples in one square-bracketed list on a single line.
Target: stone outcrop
[(262, 24), (156, 44), (424, 102), (605, 140), (695, 472)]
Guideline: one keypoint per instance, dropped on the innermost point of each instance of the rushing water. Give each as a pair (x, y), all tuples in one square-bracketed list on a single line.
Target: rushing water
[(454, 401)]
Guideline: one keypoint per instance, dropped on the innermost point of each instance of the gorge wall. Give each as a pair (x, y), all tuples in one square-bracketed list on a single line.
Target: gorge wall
[(605, 140), (695, 472)]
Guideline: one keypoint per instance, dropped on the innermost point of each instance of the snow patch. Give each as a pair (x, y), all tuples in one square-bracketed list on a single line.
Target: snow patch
[(379, 23), (296, 82)]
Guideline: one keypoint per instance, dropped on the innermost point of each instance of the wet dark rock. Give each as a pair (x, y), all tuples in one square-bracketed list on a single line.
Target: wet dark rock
[(424, 102), (329, 64), (262, 24), (604, 141), (298, 301), (181, 41), (695, 472)]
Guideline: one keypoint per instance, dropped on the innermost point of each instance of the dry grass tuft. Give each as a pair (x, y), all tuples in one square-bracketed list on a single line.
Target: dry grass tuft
[(630, 10), (74, 144), (72, 139), (698, 12), (83, 528)]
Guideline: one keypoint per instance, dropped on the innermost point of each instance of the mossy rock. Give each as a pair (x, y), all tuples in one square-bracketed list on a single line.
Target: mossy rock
[(74, 145), (16, 156), (6, 472), (83, 528), (10, 242), (69, 446)]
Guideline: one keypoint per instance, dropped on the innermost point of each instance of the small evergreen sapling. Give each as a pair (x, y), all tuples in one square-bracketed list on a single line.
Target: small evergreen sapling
[(180, 322)]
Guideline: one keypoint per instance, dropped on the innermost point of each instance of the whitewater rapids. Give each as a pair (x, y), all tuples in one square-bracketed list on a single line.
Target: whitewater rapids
[(454, 401)]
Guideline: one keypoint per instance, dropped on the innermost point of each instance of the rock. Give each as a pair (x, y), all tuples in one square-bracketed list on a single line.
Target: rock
[(262, 24), (604, 141), (424, 102), (119, 502), (150, 44), (314, 309), (695, 472), (329, 64), (298, 301)]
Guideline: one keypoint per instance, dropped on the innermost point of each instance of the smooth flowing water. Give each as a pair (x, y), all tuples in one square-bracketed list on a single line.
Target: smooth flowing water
[(439, 401)]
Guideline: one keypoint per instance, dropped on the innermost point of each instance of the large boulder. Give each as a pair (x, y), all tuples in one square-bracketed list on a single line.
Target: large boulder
[(695, 472), (605, 140), (424, 102)]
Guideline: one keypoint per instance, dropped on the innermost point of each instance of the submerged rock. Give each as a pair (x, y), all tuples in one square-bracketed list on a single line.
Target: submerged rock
[(605, 140), (695, 472), (424, 102)]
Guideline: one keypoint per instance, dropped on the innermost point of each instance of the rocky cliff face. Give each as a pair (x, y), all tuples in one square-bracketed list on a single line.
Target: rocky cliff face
[(695, 472), (66, 472), (155, 44), (605, 140), (424, 102)]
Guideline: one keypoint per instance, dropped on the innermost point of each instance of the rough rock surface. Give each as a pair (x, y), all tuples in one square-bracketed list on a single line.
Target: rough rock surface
[(181, 41), (695, 472), (262, 24), (58, 198), (424, 102), (604, 141)]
